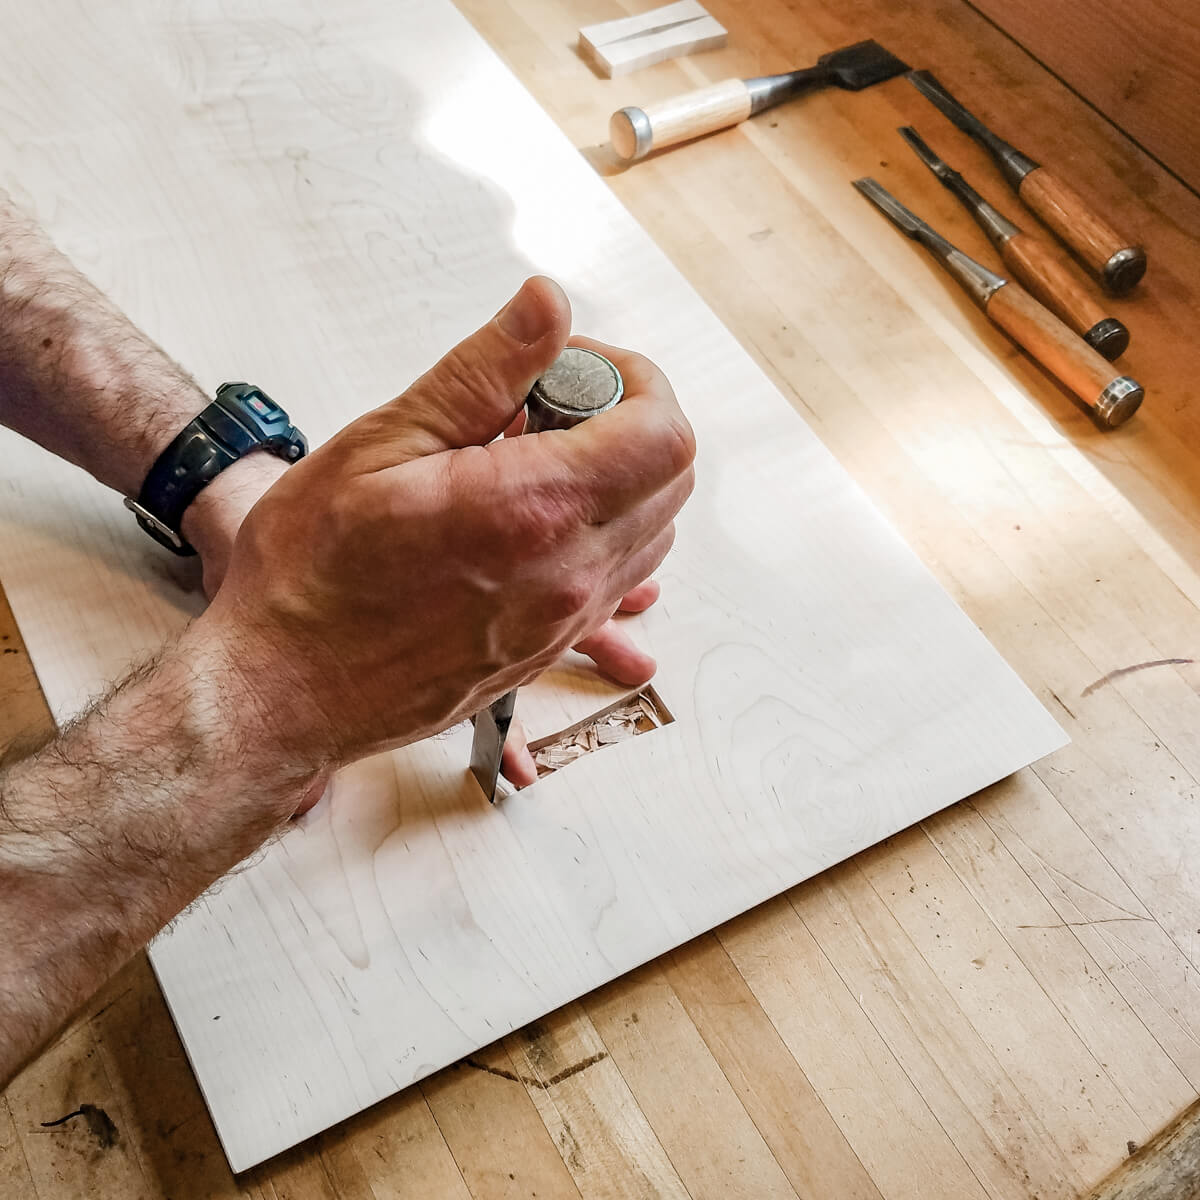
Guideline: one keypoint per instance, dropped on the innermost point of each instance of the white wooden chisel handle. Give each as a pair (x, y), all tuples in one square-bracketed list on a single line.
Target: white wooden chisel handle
[(636, 131)]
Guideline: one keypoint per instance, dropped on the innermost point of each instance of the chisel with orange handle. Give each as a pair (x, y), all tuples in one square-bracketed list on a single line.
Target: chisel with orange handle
[(1118, 262), (1034, 262), (1111, 398)]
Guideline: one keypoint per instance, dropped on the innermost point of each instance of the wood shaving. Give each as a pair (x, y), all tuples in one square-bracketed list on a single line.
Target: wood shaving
[(619, 725)]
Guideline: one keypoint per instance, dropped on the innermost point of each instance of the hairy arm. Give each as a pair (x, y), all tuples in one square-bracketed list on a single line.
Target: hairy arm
[(407, 573), (77, 377), (119, 823)]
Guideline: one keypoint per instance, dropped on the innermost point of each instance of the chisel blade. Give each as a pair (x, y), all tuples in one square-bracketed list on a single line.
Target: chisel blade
[(900, 216), (487, 742), (926, 83)]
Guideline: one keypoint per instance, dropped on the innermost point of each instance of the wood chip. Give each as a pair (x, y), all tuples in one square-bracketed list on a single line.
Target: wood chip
[(619, 725)]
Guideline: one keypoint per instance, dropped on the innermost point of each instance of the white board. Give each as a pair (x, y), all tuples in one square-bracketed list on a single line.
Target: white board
[(630, 43), (324, 206)]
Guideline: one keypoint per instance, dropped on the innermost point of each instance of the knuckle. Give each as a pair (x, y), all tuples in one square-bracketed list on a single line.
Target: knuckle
[(464, 372), (568, 598), (639, 365), (535, 522), (679, 443), (348, 516)]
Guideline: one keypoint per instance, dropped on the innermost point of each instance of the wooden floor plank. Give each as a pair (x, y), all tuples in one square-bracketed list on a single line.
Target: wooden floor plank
[(499, 1141), (603, 1136), (16, 1178), (1047, 942), (1167, 1168), (169, 1125), (877, 1106), (91, 1153), (398, 1150), (1074, 1121), (785, 1109), (689, 1103), (1139, 957)]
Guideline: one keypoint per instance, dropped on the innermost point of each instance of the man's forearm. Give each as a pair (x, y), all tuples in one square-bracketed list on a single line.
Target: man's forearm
[(113, 828), (77, 377)]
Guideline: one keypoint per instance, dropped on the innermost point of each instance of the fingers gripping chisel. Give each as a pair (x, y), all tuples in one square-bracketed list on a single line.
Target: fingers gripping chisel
[(1111, 398), (580, 384)]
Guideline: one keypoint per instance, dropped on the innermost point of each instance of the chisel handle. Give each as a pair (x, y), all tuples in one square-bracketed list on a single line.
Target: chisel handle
[(634, 132), (1036, 264), (1116, 261), (1111, 397), (579, 384)]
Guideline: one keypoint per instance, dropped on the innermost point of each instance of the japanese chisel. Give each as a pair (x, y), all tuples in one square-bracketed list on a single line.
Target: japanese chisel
[(634, 132), (1117, 262), (1032, 259), (580, 384), (1111, 398)]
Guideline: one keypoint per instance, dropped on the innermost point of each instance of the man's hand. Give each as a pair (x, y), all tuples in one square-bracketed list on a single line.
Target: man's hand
[(413, 569), (211, 523)]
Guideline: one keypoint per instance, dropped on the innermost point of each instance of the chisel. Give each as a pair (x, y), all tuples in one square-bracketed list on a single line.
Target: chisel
[(1032, 260), (580, 384), (1111, 398), (1115, 260), (634, 132)]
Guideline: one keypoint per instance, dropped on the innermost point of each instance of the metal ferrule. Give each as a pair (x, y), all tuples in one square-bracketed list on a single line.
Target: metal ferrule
[(768, 90), (991, 220), (1013, 164), (978, 282)]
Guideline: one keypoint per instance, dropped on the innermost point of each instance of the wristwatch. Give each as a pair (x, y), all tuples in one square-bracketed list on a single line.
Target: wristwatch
[(242, 418)]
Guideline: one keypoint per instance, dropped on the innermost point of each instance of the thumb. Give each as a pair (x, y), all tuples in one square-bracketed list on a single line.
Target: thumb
[(475, 391)]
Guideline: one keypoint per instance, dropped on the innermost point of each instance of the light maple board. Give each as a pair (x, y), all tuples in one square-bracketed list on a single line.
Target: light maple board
[(324, 207), (628, 44)]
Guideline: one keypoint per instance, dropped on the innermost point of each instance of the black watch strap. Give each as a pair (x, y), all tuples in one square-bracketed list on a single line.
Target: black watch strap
[(242, 418)]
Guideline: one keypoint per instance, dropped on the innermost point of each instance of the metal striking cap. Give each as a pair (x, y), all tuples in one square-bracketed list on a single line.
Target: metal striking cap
[(1118, 402), (1124, 269), (631, 134), (1108, 337), (579, 384)]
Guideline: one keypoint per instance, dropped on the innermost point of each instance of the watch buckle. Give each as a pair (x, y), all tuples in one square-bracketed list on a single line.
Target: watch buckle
[(144, 514)]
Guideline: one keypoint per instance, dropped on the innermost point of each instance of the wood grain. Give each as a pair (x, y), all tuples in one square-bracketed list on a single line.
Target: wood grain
[(1138, 62), (1169, 1167), (405, 923), (1079, 225), (681, 118), (630, 43), (1075, 550), (1055, 284), (1067, 357)]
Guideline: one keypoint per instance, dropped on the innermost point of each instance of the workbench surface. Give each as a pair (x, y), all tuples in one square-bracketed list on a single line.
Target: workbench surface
[(1001, 1002)]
